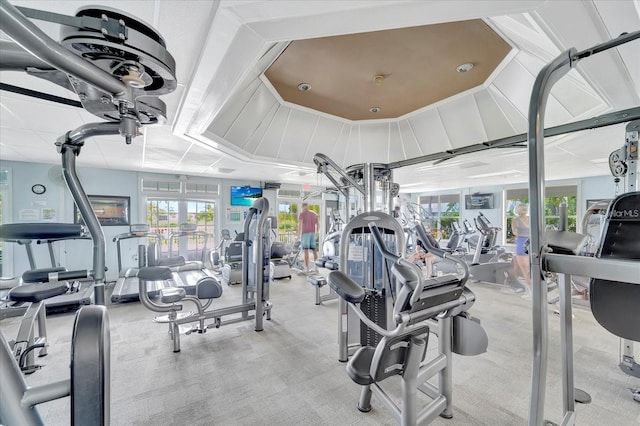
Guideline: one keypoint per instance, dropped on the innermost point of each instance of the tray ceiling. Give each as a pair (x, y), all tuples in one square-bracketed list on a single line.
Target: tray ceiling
[(386, 74), (227, 120)]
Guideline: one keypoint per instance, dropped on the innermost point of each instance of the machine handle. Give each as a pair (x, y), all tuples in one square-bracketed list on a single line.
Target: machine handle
[(422, 236), (377, 238)]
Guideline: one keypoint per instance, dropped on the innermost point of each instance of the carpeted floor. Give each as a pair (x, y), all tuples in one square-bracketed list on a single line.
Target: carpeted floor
[(288, 374)]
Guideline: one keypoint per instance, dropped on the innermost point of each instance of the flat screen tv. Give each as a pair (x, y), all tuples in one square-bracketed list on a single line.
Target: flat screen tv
[(244, 195), (478, 201)]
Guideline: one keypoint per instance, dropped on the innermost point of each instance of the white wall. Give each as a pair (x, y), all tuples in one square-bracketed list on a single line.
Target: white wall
[(78, 254)]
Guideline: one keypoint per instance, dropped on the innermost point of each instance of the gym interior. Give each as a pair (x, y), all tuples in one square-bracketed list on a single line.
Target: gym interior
[(472, 166)]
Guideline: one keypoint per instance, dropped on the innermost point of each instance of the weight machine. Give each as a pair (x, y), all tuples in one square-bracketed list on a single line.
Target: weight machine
[(555, 251)]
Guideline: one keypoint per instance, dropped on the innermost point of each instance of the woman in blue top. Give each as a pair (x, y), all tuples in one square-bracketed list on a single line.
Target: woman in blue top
[(520, 228)]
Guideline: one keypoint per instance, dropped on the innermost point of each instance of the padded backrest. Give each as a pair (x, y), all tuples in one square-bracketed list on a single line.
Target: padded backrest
[(391, 353), (234, 252), (278, 250), (615, 305)]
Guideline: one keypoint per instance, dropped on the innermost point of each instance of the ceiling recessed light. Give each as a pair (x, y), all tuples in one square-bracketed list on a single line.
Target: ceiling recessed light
[(374, 109), (464, 67), (304, 87)]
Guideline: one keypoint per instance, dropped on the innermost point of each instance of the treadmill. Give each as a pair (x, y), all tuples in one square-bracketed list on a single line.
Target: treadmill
[(44, 232), (126, 288), (187, 272)]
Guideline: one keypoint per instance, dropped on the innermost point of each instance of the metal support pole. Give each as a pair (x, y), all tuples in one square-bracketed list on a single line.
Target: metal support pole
[(446, 374), (369, 183), (69, 146), (542, 86), (90, 218)]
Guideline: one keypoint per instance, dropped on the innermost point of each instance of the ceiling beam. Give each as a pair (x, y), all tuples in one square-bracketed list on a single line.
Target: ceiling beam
[(603, 120)]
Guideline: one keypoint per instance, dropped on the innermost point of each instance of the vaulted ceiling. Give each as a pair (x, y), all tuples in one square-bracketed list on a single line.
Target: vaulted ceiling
[(227, 119)]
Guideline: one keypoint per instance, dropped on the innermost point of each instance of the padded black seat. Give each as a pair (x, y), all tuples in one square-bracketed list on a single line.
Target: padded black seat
[(40, 275), (154, 273), (172, 295), (614, 304), (40, 230), (208, 288), (346, 288), (359, 367), (34, 293), (388, 358)]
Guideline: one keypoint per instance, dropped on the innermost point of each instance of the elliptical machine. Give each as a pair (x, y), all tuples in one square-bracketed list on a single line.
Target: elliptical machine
[(330, 258)]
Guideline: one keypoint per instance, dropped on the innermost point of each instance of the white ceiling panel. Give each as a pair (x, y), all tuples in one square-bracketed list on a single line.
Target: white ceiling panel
[(232, 110), (353, 152), (340, 147), (374, 140), (394, 150), (412, 147), (49, 117), (461, 119), (515, 83), (529, 38), (621, 16), (296, 136), (20, 79), (251, 116), (409, 144), (605, 70), (516, 118), (325, 136), (180, 40), (578, 101), (430, 132), (269, 144), (6, 151), (495, 123), (256, 138), (23, 138)]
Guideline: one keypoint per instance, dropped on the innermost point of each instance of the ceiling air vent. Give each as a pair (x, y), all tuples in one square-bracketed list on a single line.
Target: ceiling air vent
[(290, 193)]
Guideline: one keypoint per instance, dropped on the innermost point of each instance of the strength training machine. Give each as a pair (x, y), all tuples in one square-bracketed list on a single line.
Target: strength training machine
[(255, 285)]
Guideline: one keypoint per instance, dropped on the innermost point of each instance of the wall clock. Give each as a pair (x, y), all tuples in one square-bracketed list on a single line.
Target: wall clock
[(38, 189)]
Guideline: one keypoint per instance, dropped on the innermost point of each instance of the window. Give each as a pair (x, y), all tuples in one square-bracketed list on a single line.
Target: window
[(554, 196), (287, 221), (288, 212), (163, 218), (172, 202), (444, 209)]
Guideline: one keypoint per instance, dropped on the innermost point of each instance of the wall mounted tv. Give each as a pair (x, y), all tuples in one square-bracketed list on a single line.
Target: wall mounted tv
[(478, 201), (244, 195)]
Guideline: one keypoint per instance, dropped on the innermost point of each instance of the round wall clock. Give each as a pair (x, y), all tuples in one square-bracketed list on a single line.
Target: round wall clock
[(38, 189)]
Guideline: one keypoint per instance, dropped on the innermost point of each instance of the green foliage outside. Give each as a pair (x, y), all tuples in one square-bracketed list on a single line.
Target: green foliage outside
[(450, 214), (288, 220), (552, 213)]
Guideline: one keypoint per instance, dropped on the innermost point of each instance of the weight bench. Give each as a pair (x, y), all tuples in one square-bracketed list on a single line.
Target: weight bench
[(319, 281), (207, 288)]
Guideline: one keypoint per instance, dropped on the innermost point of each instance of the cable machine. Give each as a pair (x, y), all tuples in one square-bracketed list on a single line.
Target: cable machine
[(546, 249)]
